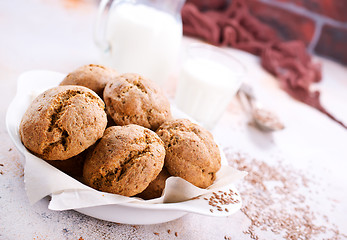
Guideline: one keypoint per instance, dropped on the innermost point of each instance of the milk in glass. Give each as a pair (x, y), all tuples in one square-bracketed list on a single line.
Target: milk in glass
[(142, 40), (205, 89)]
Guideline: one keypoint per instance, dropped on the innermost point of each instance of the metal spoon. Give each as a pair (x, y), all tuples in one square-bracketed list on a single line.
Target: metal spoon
[(265, 120)]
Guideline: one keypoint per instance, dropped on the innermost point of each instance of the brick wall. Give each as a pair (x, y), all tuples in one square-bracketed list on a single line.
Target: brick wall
[(321, 24)]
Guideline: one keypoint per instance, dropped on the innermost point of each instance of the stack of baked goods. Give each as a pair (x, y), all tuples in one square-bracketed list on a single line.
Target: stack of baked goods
[(116, 134)]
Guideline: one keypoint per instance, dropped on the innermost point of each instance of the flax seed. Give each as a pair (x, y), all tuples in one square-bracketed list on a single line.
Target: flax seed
[(283, 210)]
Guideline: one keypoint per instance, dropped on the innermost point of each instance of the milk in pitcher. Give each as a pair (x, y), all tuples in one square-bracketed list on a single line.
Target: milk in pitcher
[(142, 40)]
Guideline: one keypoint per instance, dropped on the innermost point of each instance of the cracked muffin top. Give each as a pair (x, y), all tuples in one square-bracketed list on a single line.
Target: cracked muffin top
[(92, 76), (191, 152), (62, 122), (125, 160), (132, 99)]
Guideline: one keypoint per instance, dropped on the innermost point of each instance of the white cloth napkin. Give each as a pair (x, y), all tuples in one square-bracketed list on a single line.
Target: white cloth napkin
[(41, 179)]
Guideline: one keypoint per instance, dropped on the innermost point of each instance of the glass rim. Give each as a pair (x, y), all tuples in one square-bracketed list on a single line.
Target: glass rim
[(216, 50)]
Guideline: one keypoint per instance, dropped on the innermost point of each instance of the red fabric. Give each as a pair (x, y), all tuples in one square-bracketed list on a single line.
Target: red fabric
[(236, 27), (208, 4)]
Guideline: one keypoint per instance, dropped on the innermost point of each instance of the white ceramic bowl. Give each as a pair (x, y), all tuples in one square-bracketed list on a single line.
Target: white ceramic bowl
[(34, 82)]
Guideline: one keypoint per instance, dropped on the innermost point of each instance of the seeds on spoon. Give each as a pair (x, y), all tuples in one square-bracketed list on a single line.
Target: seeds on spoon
[(267, 120)]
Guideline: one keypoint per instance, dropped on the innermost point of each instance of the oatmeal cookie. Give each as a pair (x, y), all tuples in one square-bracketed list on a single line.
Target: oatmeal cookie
[(191, 152), (62, 122), (72, 166), (132, 99), (125, 161), (156, 187), (92, 76)]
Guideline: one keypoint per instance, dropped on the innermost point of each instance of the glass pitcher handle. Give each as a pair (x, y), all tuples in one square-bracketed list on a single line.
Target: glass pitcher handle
[(100, 26)]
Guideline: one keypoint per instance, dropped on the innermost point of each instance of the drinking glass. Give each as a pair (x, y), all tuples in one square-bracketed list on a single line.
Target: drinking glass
[(209, 79)]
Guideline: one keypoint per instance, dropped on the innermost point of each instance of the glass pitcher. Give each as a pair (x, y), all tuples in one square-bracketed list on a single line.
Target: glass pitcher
[(140, 36)]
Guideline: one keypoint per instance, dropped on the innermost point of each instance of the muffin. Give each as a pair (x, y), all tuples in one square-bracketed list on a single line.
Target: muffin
[(94, 77), (132, 99), (191, 152), (72, 166), (156, 187), (62, 122), (125, 160)]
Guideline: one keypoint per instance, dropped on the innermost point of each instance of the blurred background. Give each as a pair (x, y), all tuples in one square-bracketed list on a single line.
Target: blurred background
[(320, 24)]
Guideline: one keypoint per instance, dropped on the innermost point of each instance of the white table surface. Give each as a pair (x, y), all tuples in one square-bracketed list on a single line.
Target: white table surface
[(56, 35)]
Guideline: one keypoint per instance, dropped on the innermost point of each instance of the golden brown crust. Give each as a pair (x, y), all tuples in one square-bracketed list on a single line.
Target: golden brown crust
[(72, 166), (62, 122), (125, 161), (191, 152), (156, 187), (132, 99), (92, 76)]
